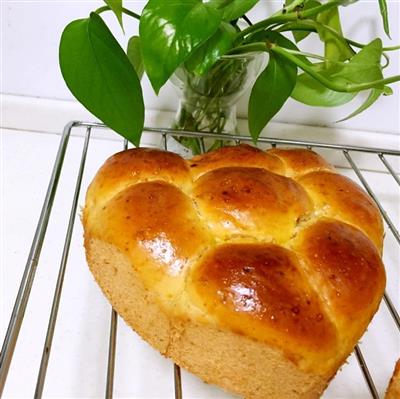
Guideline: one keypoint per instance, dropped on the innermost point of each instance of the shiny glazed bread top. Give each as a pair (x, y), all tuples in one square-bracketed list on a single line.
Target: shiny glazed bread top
[(272, 245)]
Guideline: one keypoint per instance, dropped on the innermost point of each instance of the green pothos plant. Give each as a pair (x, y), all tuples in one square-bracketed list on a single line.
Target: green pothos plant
[(196, 34)]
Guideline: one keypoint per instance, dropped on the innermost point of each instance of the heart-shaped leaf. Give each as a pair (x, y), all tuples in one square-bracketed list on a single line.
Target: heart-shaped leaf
[(365, 66), (272, 88), (100, 76), (233, 9), (135, 55), (170, 31), (205, 56)]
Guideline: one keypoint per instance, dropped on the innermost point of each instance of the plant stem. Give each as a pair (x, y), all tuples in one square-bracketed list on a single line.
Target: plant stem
[(124, 10), (262, 46), (294, 16), (392, 48), (331, 84), (386, 57), (102, 9), (360, 45), (310, 26), (288, 8), (310, 55)]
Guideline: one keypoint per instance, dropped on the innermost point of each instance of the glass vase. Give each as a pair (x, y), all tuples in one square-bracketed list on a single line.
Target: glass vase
[(207, 103)]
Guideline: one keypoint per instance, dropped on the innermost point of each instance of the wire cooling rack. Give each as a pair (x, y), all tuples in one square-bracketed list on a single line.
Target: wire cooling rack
[(384, 157)]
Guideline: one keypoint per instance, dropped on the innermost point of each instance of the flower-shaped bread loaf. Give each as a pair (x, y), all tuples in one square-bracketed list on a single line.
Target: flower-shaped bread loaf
[(258, 271)]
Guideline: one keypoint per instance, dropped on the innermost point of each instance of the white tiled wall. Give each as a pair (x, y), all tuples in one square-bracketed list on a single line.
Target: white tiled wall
[(30, 32)]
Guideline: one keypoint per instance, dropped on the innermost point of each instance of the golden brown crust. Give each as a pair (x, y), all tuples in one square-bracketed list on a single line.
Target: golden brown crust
[(299, 161), (155, 224), (264, 253), (258, 291), (346, 268), (242, 155), (133, 166), (338, 196), (251, 201)]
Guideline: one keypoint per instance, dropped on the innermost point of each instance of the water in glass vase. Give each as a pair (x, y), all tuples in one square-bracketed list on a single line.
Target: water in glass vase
[(207, 103)]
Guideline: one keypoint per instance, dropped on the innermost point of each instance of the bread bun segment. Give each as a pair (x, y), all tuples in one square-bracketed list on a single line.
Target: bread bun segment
[(256, 270)]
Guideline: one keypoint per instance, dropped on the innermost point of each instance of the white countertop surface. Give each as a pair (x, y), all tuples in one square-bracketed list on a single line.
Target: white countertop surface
[(78, 360)]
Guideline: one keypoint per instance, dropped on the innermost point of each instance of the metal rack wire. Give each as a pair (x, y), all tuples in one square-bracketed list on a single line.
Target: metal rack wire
[(27, 280)]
